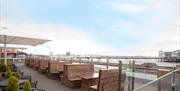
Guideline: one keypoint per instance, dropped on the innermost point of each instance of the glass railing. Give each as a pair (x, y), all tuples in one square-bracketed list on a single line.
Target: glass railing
[(168, 82), (135, 73), (135, 77)]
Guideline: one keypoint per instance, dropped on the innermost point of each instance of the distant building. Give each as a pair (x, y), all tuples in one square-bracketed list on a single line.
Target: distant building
[(170, 56), (68, 53), (10, 52), (176, 54)]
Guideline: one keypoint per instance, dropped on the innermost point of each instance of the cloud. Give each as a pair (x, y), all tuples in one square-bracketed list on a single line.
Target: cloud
[(156, 24), (64, 38), (125, 7)]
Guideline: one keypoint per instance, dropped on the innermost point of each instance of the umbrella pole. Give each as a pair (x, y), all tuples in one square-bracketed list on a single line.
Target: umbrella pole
[(5, 51)]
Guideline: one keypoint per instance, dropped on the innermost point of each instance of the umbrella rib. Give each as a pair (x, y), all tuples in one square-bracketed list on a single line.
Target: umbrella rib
[(11, 40), (22, 40)]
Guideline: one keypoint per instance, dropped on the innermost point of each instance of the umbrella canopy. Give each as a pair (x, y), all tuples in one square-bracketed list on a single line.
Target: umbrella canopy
[(22, 48), (18, 40)]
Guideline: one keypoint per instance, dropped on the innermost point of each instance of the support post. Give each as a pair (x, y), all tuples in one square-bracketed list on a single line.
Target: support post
[(120, 72), (107, 64), (92, 60), (80, 60), (5, 51), (133, 70), (129, 78), (99, 61), (72, 60)]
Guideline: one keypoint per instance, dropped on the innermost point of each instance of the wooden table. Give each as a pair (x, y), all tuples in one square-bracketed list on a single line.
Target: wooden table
[(4, 83), (88, 80), (59, 70)]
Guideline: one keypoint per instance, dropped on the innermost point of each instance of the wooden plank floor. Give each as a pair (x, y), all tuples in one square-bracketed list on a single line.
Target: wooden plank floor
[(43, 81)]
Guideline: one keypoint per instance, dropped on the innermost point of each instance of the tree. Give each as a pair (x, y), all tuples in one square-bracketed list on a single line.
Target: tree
[(27, 86), (8, 73), (18, 75), (13, 84)]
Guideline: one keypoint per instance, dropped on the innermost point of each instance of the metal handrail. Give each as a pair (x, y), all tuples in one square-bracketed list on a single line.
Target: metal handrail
[(138, 89)]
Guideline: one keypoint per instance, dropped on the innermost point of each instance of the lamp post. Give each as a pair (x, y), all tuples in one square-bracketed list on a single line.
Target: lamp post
[(5, 49), (5, 28)]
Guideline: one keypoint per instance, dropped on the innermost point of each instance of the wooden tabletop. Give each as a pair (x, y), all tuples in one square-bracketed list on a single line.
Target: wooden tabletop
[(93, 76), (59, 70), (4, 83)]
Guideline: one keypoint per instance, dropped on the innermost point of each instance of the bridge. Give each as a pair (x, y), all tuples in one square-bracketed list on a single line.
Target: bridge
[(116, 57)]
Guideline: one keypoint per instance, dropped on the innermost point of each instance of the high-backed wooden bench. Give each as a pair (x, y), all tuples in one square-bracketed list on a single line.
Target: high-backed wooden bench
[(72, 71), (43, 66), (161, 72), (36, 64), (55, 69), (108, 80), (177, 66), (27, 61), (31, 62)]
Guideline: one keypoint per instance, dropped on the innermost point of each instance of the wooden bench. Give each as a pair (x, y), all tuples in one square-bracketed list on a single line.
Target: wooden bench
[(108, 80), (27, 61), (72, 71), (161, 72), (36, 64), (177, 66), (88, 80), (55, 69), (31, 62), (43, 66)]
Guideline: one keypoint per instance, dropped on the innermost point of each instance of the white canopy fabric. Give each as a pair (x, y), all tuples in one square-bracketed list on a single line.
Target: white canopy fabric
[(17, 40), (22, 48)]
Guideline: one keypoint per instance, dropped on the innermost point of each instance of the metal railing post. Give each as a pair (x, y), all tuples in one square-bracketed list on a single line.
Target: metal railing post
[(120, 72), (92, 60), (107, 64), (80, 60), (133, 70), (173, 80)]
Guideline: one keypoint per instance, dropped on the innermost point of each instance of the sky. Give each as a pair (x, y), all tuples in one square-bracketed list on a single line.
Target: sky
[(107, 27)]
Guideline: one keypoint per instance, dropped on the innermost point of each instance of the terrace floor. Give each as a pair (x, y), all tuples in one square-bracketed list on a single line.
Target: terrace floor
[(43, 81), (55, 85)]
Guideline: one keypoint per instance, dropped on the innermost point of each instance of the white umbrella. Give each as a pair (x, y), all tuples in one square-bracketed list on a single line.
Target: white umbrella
[(13, 47), (18, 40)]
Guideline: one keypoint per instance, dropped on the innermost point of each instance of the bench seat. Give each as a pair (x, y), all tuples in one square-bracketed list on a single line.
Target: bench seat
[(108, 80), (72, 71), (93, 88), (55, 69)]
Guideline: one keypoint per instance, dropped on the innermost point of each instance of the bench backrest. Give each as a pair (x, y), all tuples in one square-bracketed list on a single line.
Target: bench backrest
[(108, 80), (177, 66), (31, 62), (27, 61), (72, 71), (43, 64), (55, 66), (36, 62)]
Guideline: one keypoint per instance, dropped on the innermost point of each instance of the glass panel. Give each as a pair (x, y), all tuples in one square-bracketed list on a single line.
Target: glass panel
[(136, 77), (177, 81), (169, 82), (163, 84)]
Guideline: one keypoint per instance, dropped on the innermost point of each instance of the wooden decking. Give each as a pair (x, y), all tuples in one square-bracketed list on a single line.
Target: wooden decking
[(43, 81)]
